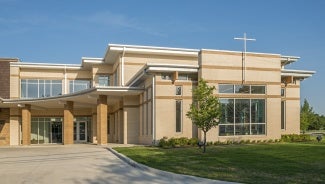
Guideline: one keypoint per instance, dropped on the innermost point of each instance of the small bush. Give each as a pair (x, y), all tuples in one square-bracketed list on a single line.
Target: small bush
[(247, 141), (193, 141), (163, 142)]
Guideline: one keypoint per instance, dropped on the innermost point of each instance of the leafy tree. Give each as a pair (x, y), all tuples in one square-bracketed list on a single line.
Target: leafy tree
[(205, 110), (318, 122), (307, 116)]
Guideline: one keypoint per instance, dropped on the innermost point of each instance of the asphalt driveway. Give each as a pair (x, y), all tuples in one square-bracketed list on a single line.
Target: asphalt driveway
[(74, 164)]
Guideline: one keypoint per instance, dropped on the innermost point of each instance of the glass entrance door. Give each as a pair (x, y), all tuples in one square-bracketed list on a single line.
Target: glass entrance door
[(56, 132), (80, 131)]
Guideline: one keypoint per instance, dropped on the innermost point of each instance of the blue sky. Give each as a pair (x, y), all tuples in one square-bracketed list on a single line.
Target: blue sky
[(64, 31)]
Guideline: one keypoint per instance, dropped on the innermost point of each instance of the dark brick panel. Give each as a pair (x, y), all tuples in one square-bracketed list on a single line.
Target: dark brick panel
[(4, 79)]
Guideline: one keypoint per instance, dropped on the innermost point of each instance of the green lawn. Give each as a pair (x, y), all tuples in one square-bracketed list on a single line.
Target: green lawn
[(253, 163)]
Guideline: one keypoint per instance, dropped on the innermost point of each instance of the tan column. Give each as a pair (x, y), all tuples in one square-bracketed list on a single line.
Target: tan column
[(102, 120), (94, 126), (68, 123), (125, 126), (26, 124)]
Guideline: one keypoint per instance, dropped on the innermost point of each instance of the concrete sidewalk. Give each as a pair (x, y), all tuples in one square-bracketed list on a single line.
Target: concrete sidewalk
[(77, 164)]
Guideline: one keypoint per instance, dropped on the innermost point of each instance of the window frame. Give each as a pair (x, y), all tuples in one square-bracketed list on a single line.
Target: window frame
[(250, 124), (43, 87)]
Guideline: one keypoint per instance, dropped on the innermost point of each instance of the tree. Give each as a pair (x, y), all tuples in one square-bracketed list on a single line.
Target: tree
[(205, 110), (307, 116)]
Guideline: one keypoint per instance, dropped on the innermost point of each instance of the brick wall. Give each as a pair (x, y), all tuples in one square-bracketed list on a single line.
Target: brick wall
[(4, 79), (4, 127)]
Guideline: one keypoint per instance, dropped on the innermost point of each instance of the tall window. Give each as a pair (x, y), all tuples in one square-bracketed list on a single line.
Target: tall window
[(242, 117), (37, 88), (103, 80), (78, 85), (178, 115), (283, 121), (282, 92)]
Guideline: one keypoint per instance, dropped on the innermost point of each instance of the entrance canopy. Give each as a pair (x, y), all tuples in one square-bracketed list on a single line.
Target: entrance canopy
[(84, 98)]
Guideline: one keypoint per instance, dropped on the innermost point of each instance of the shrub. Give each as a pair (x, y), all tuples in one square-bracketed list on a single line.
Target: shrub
[(163, 142), (295, 138), (193, 141), (183, 141), (247, 141)]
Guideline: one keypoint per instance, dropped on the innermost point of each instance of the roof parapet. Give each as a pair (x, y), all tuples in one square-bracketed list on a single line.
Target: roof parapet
[(285, 60)]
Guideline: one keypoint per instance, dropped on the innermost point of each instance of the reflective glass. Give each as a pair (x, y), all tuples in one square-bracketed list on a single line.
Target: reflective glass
[(226, 88), (258, 110), (258, 89), (242, 112), (227, 111), (241, 88), (226, 130), (258, 129)]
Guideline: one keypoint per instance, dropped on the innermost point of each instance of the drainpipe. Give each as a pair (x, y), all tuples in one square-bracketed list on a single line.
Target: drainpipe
[(122, 67), (153, 109), (65, 80)]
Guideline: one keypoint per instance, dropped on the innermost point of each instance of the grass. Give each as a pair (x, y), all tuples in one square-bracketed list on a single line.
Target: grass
[(252, 163)]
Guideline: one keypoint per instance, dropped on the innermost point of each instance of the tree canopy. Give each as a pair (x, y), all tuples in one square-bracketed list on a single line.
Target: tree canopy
[(205, 110), (309, 120)]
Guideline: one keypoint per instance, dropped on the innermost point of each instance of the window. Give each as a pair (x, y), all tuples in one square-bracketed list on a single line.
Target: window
[(242, 117), (103, 80), (178, 90), (178, 115), (242, 113), (78, 85), (241, 89), (36, 88), (282, 92), (226, 88), (257, 89), (187, 76), (166, 76), (283, 121)]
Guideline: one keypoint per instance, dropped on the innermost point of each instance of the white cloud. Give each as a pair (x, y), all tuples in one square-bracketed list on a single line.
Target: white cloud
[(114, 20)]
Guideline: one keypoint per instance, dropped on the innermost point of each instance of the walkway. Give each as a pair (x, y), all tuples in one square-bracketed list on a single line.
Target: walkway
[(75, 164)]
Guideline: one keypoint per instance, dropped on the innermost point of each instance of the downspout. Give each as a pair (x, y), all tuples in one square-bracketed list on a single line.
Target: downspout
[(122, 67), (153, 109), (65, 80)]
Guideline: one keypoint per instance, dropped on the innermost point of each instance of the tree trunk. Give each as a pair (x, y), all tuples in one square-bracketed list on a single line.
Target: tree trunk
[(204, 141)]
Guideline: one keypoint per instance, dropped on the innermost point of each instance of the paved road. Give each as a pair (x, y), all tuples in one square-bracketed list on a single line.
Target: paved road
[(75, 164)]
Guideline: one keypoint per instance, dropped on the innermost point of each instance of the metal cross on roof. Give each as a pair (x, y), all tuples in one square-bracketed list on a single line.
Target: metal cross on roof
[(245, 39)]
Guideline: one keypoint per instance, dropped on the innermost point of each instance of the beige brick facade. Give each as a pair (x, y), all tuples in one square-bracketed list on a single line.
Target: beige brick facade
[(140, 94)]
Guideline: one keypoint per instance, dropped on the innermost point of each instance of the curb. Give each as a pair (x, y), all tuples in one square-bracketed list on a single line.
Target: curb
[(164, 173)]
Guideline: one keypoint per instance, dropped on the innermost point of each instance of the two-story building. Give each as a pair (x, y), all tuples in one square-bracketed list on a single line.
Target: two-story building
[(139, 94)]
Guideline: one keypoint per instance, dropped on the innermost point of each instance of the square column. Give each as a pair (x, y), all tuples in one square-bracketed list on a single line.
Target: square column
[(68, 123), (102, 120), (26, 124)]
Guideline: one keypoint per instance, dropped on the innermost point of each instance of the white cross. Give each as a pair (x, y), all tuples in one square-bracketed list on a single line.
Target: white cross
[(245, 39)]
